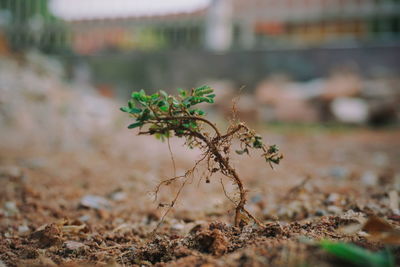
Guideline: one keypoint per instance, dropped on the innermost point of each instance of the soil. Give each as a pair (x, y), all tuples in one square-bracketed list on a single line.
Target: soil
[(94, 206)]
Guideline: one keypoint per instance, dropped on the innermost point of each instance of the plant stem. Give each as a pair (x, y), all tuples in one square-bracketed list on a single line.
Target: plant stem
[(230, 173), (193, 118)]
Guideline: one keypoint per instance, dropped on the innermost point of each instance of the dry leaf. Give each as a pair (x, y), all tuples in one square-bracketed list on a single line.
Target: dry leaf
[(382, 231)]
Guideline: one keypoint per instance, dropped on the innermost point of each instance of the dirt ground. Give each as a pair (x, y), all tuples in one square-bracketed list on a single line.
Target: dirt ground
[(95, 206)]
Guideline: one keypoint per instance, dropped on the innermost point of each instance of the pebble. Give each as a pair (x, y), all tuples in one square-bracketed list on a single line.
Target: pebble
[(332, 198), (11, 208), (350, 110), (334, 209), (320, 213), (256, 199), (369, 178), (118, 196), (10, 172), (380, 159), (339, 172), (95, 202), (73, 245), (178, 227), (84, 218), (23, 229)]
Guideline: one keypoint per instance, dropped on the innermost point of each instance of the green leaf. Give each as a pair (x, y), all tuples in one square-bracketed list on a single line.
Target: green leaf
[(357, 255), (210, 100), (125, 109), (155, 96), (161, 103), (182, 93), (145, 115), (197, 111), (136, 124), (188, 101), (135, 110), (164, 108), (210, 96), (131, 104), (201, 99), (203, 90), (273, 149), (135, 95), (257, 143), (193, 125)]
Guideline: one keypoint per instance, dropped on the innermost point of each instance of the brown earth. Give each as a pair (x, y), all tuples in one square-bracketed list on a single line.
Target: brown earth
[(94, 206)]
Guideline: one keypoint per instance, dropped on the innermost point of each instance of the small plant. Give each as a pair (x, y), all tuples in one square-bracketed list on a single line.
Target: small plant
[(165, 116), (359, 256)]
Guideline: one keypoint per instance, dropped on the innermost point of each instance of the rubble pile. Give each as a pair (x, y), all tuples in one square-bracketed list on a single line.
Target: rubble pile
[(37, 108), (343, 97)]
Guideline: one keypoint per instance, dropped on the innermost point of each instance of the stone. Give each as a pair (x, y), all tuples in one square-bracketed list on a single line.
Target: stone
[(334, 209), (332, 198), (10, 172), (350, 110), (339, 172), (11, 208), (73, 245), (95, 202), (23, 230), (369, 178), (178, 227), (118, 196)]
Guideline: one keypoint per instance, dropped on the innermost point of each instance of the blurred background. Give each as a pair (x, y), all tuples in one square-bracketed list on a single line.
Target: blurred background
[(299, 61), (319, 78)]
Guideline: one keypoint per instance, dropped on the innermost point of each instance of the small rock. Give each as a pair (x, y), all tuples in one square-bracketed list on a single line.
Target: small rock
[(11, 208), (380, 159), (73, 245), (332, 198), (339, 172), (256, 199), (95, 202), (23, 230), (369, 178), (178, 227), (10, 172), (118, 196), (320, 213), (350, 110), (84, 218), (334, 209), (2, 264)]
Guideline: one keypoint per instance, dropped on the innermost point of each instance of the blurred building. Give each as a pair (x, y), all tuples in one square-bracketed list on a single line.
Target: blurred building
[(239, 24), (318, 22), (94, 26)]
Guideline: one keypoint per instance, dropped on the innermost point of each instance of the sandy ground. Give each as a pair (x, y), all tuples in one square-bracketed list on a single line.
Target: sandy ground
[(95, 205)]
